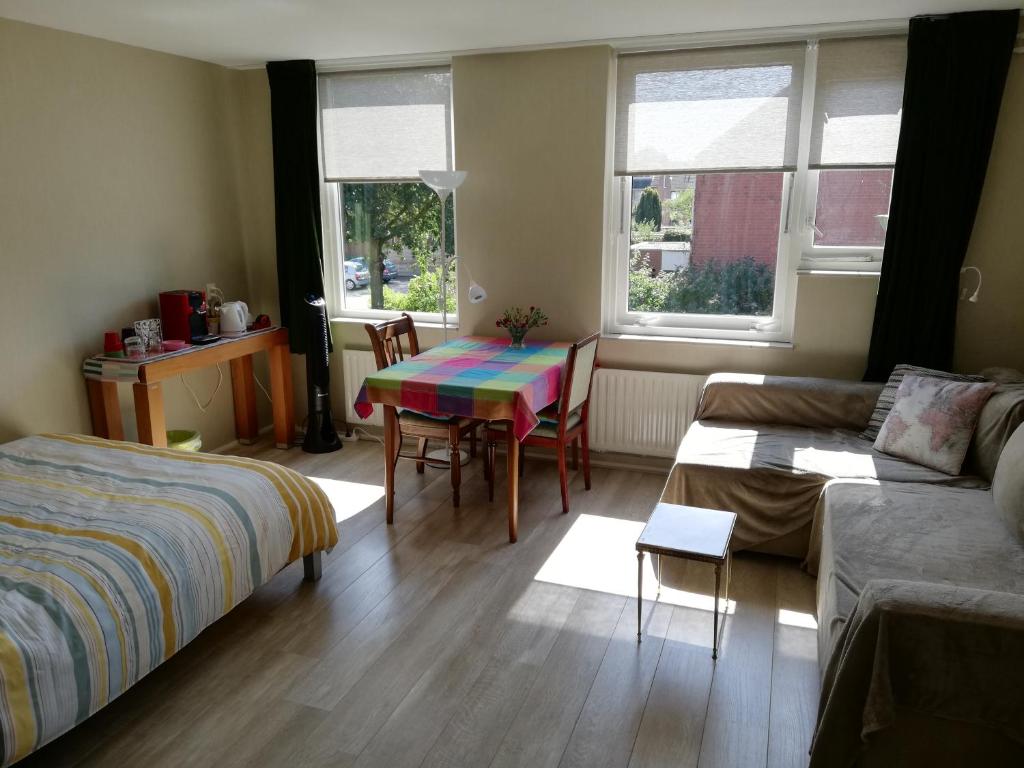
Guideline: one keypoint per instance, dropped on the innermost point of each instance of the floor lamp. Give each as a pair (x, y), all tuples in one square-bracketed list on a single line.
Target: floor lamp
[(444, 183)]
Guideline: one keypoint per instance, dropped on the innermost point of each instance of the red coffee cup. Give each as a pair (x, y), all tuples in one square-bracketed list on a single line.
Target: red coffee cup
[(112, 342)]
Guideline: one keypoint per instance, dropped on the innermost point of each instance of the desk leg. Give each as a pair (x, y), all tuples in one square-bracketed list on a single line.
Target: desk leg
[(281, 395), (243, 393), (149, 414), (513, 485), (390, 449), (105, 409)]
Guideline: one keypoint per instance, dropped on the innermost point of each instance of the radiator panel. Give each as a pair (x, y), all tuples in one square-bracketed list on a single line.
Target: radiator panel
[(357, 365), (642, 412)]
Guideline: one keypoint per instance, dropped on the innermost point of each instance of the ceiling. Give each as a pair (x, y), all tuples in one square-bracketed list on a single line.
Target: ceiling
[(250, 32)]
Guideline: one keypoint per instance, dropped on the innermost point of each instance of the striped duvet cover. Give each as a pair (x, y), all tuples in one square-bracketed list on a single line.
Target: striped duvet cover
[(115, 555)]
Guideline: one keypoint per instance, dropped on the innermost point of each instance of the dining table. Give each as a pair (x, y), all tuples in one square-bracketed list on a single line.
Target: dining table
[(479, 377)]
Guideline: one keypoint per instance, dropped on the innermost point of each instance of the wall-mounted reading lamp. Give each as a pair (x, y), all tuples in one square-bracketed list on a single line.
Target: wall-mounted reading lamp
[(973, 298)]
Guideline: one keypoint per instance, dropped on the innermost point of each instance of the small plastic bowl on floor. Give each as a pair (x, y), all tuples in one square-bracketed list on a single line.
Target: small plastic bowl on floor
[(184, 440)]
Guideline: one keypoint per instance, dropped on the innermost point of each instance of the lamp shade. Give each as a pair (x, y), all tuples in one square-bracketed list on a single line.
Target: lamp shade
[(477, 293), (443, 182)]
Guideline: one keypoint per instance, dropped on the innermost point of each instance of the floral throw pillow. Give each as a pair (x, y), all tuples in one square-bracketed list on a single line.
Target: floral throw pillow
[(932, 421)]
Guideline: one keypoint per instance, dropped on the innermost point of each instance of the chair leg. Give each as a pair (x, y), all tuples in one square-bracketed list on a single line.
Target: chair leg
[(456, 462), (472, 443), (490, 451), (585, 442), (421, 451), (563, 477), (575, 454)]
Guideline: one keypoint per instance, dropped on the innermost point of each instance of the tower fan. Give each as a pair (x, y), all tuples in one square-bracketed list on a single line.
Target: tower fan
[(321, 436)]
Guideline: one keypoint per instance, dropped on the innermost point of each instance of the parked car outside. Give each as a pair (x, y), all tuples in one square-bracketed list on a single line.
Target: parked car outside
[(390, 271), (356, 275)]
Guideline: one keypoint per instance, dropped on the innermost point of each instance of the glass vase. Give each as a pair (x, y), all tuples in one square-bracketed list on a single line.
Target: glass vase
[(518, 338)]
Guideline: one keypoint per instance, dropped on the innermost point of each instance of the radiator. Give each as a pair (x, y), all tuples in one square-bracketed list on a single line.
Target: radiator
[(636, 412), (641, 412), (356, 366)]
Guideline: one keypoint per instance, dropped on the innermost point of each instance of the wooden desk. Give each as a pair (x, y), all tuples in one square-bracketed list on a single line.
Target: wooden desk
[(149, 398)]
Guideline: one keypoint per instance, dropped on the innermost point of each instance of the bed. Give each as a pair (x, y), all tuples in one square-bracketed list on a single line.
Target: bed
[(115, 555)]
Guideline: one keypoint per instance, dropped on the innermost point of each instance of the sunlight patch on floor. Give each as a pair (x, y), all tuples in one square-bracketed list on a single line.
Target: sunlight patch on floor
[(797, 619), (599, 554), (349, 499)]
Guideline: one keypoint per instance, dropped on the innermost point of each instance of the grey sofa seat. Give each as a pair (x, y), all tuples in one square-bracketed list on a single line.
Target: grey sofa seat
[(773, 474), (911, 532)]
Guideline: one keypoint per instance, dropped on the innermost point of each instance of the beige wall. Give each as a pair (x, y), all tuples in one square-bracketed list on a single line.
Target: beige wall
[(991, 332), (117, 180)]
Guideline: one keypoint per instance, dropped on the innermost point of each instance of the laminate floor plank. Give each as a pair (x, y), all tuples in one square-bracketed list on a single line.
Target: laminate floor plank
[(795, 679), (538, 735), (673, 720), (736, 731)]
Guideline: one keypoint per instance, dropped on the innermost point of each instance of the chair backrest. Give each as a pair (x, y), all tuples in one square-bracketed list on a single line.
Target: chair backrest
[(386, 339), (579, 372)]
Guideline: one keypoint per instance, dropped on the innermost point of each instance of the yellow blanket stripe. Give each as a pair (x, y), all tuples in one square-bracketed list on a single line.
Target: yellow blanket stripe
[(14, 680), (100, 591), (72, 599), (292, 487), (153, 571), (215, 535)]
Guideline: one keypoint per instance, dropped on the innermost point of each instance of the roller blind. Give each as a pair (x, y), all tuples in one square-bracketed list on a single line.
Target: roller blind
[(858, 102), (385, 125), (717, 109)]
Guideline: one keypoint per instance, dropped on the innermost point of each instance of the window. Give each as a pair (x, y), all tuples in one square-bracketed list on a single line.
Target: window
[(854, 132), (735, 166), (379, 129)]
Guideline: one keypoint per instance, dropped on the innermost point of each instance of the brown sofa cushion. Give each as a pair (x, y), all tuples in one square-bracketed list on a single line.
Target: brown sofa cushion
[(794, 400), (1000, 417), (1008, 483)]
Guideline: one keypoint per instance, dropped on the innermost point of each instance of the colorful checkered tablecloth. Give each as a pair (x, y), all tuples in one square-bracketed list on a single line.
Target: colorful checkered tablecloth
[(474, 376)]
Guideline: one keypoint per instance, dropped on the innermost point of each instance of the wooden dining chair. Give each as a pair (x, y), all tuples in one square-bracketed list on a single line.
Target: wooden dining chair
[(561, 425), (386, 339)]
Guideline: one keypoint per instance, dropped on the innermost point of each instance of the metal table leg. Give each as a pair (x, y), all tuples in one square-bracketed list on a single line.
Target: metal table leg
[(639, 590), (718, 581), (658, 596)]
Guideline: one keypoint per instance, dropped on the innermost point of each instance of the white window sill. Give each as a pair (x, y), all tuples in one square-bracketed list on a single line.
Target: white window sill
[(699, 340), (838, 272), (361, 321)]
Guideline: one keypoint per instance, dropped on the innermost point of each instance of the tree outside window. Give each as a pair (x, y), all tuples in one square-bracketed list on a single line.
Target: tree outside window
[(391, 247)]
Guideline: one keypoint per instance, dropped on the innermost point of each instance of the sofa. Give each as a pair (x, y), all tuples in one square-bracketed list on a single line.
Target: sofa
[(920, 592)]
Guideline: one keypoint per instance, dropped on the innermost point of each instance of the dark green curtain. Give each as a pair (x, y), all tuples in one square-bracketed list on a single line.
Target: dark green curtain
[(956, 70), (300, 250)]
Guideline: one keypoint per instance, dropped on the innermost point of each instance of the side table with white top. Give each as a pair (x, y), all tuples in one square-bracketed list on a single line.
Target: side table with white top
[(689, 533)]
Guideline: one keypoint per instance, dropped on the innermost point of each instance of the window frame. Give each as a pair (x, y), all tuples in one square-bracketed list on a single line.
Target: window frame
[(834, 258), (797, 253), (333, 225), (754, 328)]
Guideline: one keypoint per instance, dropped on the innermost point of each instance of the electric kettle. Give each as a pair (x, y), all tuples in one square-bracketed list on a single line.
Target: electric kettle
[(234, 317)]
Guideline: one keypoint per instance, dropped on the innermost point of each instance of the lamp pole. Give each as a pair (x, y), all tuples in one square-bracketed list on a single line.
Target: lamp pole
[(443, 183)]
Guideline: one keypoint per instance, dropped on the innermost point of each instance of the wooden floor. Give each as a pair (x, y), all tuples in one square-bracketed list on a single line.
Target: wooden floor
[(436, 643)]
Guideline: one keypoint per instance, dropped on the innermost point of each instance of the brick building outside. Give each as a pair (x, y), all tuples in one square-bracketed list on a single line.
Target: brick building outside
[(738, 215)]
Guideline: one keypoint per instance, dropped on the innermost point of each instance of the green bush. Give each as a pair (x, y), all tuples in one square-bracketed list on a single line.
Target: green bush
[(424, 293), (648, 208), (675, 236), (741, 287)]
